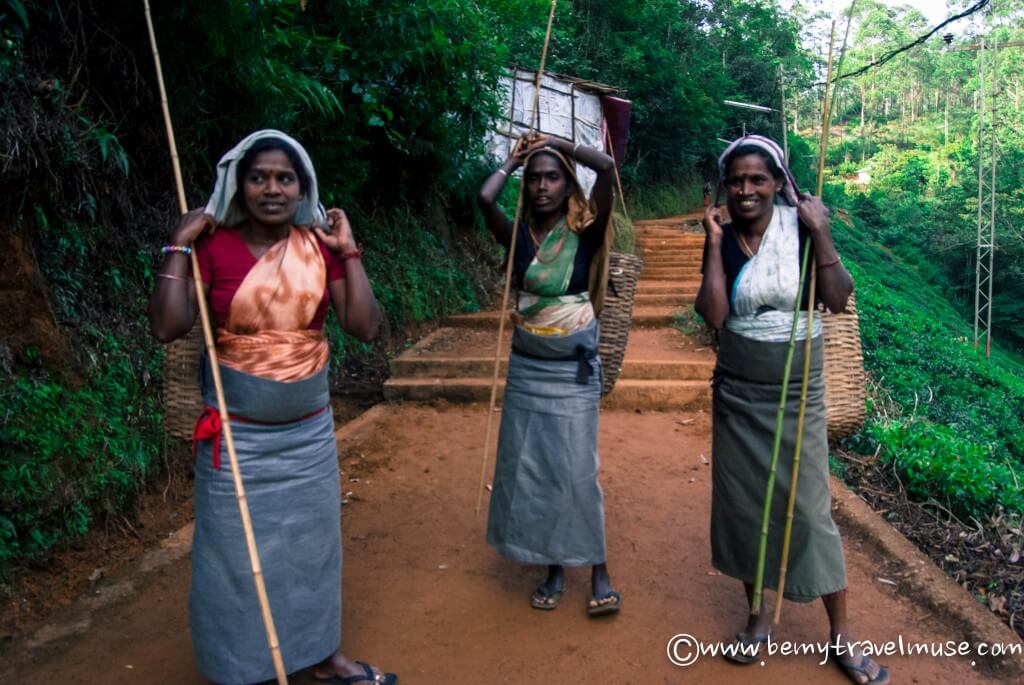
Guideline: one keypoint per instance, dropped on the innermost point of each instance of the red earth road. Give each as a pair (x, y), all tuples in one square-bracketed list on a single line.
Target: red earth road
[(425, 597)]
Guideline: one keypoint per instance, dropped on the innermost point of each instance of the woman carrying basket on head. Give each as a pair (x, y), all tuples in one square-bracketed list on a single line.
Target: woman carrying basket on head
[(750, 287), (546, 506), (272, 261)]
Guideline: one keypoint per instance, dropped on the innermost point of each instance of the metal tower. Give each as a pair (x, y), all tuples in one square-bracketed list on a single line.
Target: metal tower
[(987, 94)]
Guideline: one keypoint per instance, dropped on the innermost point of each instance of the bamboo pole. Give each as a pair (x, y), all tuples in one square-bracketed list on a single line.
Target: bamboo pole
[(535, 114), (825, 115), (805, 382), (782, 97), (755, 608), (794, 479), (842, 56), (211, 349), (618, 179)]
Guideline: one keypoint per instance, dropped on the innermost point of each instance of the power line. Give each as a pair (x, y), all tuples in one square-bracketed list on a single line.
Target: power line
[(918, 41)]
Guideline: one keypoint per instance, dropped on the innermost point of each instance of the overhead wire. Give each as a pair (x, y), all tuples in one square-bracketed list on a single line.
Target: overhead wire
[(917, 41)]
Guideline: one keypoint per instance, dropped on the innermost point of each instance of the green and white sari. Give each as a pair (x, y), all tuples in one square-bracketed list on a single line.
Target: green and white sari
[(544, 306)]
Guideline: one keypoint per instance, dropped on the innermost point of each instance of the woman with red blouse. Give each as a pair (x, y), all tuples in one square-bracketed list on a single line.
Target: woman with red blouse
[(272, 261)]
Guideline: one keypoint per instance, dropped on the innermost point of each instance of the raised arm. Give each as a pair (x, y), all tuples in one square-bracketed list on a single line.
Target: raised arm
[(499, 224), (172, 306), (712, 303), (834, 282), (352, 296)]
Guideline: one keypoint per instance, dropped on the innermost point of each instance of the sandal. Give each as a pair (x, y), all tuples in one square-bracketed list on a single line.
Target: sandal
[(860, 671), (546, 599), (596, 608), (367, 676), (745, 649)]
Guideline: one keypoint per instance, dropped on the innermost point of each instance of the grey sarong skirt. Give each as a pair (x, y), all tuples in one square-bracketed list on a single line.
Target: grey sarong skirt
[(747, 386), (547, 506), (290, 473)]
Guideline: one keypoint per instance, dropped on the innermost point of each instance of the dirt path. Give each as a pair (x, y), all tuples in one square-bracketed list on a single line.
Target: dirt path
[(427, 598)]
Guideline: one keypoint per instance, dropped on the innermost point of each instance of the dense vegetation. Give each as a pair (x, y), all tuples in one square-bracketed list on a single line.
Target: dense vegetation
[(949, 420)]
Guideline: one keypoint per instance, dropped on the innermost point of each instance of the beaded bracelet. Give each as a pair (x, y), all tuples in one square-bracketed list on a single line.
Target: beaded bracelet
[(183, 249)]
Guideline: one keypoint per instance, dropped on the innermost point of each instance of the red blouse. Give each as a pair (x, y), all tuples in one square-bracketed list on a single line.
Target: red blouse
[(225, 260)]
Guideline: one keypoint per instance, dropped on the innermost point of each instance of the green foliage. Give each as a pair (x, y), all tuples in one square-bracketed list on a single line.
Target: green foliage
[(392, 98), (959, 421), (661, 200), (941, 463), (14, 23), (417, 276), (624, 240), (947, 420), (71, 454), (688, 322)]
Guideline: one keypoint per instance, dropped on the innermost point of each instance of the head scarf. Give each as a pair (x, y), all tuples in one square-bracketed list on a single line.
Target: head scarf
[(227, 210), (580, 212), (790, 193)]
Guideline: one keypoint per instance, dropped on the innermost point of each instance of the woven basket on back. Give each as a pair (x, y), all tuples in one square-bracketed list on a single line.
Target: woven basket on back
[(617, 314), (182, 400), (844, 371)]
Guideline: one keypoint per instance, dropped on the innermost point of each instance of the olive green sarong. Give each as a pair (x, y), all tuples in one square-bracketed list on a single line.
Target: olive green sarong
[(747, 385)]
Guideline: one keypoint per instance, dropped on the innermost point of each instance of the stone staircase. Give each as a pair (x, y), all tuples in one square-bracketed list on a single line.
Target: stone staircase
[(662, 369)]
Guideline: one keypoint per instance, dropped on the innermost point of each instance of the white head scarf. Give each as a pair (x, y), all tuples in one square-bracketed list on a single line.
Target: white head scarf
[(226, 212), (790, 193), (765, 290)]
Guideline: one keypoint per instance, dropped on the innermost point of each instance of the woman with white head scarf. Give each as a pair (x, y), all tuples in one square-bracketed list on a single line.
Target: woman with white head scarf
[(750, 292), (272, 261)]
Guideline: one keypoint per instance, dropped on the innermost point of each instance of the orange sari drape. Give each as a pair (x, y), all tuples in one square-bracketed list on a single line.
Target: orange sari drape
[(267, 331)]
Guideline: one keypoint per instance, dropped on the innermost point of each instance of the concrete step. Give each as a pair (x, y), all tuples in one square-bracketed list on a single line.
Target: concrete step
[(679, 299), (669, 244), (670, 233), (651, 285), (656, 247), (675, 232), (674, 223), (447, 368), (656, 251), (686, 228), (671, 260), (651, 249), (627, 394), (667, 272), (642, 317)]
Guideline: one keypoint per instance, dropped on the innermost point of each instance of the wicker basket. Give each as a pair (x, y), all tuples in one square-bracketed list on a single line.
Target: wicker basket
[(844, 371), (182, 399), (617, 314)]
